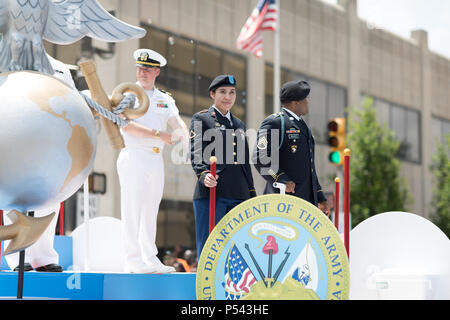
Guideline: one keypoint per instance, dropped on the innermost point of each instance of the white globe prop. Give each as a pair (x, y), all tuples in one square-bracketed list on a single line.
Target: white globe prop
[(398, 255), (47, 141)]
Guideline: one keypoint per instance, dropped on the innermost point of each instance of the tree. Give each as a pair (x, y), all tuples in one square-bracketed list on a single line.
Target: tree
[(441, 191), (375, 184)]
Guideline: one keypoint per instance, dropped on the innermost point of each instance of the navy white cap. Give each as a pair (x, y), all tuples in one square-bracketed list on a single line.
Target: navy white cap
[(149, 58)]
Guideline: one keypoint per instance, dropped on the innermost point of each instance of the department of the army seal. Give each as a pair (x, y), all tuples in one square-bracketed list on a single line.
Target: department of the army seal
[(273, 247)]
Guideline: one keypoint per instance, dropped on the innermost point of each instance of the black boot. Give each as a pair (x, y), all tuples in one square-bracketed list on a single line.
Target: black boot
[(26, 267), (52, 267)]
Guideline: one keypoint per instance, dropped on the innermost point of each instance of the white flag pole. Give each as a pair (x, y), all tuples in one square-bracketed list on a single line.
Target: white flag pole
[(276, 62), (86, 222)]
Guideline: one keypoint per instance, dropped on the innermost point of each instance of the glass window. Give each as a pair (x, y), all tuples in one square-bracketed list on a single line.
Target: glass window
[(191, 66), (327, 101), (208, 67), (412, 135), (155, 40), (268, 78), (398, 125), (336, 101), (382, 111), (445, 130), (398, 122), (287, 75), (440, 129), (436, 127), (406, 125), (176, 224), (293, 76), (236, 66), (445, 133), (180, 73), (317, 118)]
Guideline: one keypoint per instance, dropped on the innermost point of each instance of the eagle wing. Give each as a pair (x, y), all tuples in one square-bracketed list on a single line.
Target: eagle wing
[(5, 52), (4, 17), (70, 20)]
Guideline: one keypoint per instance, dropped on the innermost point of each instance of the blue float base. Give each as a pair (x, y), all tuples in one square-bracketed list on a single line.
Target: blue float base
[(94, 286), (100, 286)]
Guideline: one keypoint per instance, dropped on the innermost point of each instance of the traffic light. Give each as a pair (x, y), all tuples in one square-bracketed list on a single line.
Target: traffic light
[(336, 140)]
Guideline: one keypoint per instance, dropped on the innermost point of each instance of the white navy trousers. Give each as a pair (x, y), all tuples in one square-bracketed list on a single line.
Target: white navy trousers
[(141, 176)]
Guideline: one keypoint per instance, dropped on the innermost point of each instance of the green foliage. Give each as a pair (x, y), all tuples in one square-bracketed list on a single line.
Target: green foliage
[(375, 184), (441, 192)]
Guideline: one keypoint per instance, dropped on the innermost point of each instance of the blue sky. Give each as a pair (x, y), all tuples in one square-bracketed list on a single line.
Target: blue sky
[(402, 16)]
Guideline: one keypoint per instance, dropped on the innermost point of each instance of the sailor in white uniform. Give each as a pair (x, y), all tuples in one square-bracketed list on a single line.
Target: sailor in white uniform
[(140, 167), (42, 255)]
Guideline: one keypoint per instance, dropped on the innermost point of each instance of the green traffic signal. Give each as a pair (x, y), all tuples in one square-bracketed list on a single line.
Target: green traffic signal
[(336, 140), (335, 157)]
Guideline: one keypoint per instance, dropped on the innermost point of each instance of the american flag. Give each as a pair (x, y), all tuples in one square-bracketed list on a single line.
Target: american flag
[(238, 276), (263, 17)]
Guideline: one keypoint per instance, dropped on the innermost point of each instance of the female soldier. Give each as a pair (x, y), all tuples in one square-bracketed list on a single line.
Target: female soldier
[(216, 132)]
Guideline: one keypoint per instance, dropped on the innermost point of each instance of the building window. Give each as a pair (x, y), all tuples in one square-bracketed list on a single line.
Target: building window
[(440, 130), (237, 67), (191, 66), (285, 77), (327, 100), (180, 73), (209, 61), (176, 224), (405, 123), (268, 89), (317, 116)]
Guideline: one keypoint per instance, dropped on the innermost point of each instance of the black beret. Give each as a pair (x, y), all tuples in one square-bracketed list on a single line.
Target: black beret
[(294, 91), (222, 80)]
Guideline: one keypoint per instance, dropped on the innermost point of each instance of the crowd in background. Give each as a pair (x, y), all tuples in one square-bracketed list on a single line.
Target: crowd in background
[(181, 258)]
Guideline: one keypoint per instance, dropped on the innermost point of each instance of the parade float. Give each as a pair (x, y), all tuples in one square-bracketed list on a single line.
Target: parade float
[(269, 247)]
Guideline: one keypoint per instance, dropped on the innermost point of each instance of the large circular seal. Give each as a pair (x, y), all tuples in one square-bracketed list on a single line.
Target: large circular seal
[(273, 247)]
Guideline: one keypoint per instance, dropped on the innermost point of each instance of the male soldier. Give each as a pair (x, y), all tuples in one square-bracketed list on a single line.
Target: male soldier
[(140, 167), (293, 149)]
